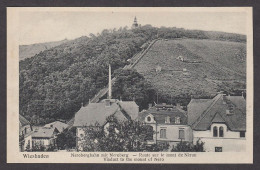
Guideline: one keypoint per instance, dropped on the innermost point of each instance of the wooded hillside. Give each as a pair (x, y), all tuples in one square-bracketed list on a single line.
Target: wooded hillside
[(55, 82)]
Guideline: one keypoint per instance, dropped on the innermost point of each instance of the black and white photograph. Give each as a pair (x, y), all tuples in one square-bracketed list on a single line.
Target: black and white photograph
[(130, 85)]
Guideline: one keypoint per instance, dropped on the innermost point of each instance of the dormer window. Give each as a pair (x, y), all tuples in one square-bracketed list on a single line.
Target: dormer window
[(149, 119), (227, 112), (177, 120), (167, 119), (230, 110)]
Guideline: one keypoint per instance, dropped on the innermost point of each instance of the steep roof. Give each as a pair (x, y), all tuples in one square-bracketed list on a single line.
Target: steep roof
[(201, 114), (98, 112), (160, 115), (57, 124), (71, 122), (128, 107), (44, 132), (196, 107), (23, 121), (218, 119)]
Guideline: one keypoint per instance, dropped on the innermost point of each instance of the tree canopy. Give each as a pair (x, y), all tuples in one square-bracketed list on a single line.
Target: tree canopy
[(119, 136)]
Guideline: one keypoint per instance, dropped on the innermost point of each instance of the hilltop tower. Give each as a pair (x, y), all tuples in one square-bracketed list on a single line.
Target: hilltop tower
[(135, 24)]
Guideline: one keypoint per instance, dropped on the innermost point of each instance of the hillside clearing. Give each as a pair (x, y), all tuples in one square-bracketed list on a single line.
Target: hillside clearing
[(207, 67)]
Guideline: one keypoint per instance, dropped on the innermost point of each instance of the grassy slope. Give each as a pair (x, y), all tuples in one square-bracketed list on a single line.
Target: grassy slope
[(27, 51), (222, 63)]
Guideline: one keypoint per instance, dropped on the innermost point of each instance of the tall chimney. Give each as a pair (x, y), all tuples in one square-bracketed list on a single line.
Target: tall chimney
[(109, 84)]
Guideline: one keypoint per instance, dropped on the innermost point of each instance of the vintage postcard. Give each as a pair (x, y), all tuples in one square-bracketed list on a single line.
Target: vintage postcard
[(130, 85)]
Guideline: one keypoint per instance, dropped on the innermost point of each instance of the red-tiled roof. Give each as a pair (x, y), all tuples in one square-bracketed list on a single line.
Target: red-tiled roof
[(201, 114)]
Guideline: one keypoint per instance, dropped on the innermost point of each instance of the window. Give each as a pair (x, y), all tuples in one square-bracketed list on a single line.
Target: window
[(231, 109), (163, 133), (167, 119), (177, 120), (181, 134), (215, 131), (29, 142), (149, 119), (218, 149), (221, 132), (150, 132), (242, 134)]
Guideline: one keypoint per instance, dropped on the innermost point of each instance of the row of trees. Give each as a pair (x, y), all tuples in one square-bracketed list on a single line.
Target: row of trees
[(128, 136)]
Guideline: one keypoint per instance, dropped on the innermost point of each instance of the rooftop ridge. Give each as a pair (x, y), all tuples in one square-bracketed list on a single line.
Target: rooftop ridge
[(215, 99)]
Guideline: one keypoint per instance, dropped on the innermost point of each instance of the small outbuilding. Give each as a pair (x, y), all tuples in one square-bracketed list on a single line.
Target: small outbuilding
[(158, 69)]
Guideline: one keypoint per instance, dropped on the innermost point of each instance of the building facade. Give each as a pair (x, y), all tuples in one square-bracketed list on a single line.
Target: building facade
[(42, 137), (169, 124), (219, 122), (25, 129)]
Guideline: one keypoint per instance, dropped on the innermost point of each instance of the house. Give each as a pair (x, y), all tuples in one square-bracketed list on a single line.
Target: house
[(168, 122), (25, 128), (57, 124), (44, 136), (181, 58), (96, 113), (219, 122)]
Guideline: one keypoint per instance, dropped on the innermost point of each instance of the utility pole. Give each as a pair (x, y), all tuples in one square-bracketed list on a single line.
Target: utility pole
[(157, 97), (109, 83)]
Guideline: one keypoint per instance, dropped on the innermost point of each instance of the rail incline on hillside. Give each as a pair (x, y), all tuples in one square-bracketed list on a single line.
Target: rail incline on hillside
[(139, 56)]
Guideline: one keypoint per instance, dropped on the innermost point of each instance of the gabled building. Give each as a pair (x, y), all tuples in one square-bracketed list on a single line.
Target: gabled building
[(25, 128), (168, 122), (57, 124), (96, 114), (43, 136), (219, 122)]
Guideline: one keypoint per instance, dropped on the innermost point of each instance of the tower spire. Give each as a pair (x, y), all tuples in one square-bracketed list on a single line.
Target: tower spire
[(109, 83), (135, 24)]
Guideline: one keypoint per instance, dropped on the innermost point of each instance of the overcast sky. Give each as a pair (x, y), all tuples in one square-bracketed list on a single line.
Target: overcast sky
[(45, 26)]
